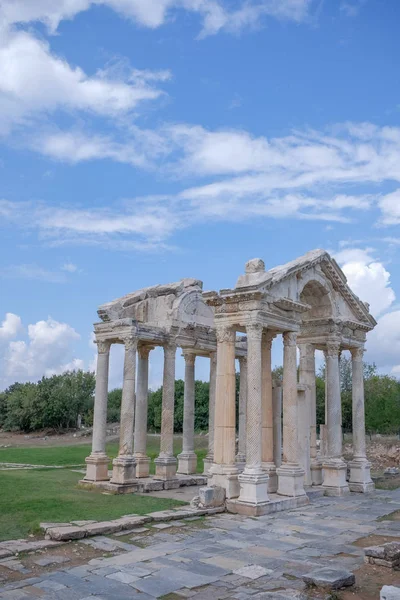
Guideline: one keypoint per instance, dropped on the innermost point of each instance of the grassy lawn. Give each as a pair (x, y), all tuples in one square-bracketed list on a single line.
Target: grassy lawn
[(30, 497), (75, 455)]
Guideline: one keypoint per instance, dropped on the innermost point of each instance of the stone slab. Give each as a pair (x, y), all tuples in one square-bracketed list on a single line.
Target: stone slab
[(253, 572), (333, 579)]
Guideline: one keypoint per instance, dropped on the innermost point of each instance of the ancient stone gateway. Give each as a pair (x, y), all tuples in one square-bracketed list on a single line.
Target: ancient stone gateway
[(309, 303)]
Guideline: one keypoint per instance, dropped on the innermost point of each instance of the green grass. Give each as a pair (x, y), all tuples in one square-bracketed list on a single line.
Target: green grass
[(75, 455), (30, 497)]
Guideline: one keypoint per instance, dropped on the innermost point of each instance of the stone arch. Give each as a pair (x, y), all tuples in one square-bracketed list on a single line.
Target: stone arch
[(317, 293)]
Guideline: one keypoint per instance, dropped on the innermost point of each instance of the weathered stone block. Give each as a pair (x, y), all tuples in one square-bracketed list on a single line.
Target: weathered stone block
[(211, 496), (66, 533), (103, 527), (390, 592), (385, 555), (333, 579)]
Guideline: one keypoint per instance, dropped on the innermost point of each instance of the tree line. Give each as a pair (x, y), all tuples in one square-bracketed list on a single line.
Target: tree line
[(57, 402)]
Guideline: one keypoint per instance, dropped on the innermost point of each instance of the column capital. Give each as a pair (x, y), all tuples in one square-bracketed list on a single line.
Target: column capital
[(189, 356), (130, 343), (242, 360), (307, 350), (144, 351), (268, 337), (225, 333), (103, 346), (357, 353), (290, 338), (254, 331), (332, 350), (170, 347)]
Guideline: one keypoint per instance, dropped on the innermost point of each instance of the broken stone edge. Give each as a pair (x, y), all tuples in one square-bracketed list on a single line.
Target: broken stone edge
[(69, 533)]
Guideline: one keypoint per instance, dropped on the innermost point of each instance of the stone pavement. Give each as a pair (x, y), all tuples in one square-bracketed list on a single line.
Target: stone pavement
[(224, 556)]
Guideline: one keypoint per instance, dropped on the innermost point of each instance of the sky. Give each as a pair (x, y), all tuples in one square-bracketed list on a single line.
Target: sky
[(143, 141)]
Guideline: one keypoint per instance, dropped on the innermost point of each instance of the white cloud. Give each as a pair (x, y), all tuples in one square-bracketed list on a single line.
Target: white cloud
[(390, 207), (384, 343), (370, 280), (217, 14), (367, 277), (33, 82), (48, 350), (10, 327), (69, 267)]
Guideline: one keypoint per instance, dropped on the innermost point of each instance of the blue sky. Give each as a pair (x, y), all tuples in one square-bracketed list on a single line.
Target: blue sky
[(142, 141)]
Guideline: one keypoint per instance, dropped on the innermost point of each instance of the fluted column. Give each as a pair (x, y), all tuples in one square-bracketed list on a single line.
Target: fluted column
[(311, 463), (360, 468), (124, 463), (224, 471), (97, 462), (290, 473), (140, 438), (334, 467), (254, 481), (166, 461), (267, 417), (241, 454), (277, 406), (211, 413), (187, 458)]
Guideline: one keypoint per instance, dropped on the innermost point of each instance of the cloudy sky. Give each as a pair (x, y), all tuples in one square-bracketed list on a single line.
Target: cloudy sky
[(142, 141)]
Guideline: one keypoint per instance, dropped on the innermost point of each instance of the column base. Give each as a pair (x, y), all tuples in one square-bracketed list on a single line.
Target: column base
[(360, 477), (270, 469), (290, 480), (142, 466), (253, 487), (317, 475), (165, 468), (225, 476), (124, 470), (207, 464), (335, 483), (187, 463), (97, 467)]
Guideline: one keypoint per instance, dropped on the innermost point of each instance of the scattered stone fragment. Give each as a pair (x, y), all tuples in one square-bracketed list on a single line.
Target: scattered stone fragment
[(66, 533), (385, 555), (390, 592), (333, 579)]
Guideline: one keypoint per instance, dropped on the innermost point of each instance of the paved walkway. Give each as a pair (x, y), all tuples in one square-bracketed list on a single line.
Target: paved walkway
[(225, 556)]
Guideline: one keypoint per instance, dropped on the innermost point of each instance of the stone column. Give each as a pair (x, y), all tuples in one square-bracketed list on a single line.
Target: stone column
[(224, 471), (268, 413), (97, 462), (241, 454), (124, 463), (360, 468), (142, 394), (166, 461), (209, 459), (307, 377), (277, 408), (188, 458), (254, 481), (334, 467), (290, 473)]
